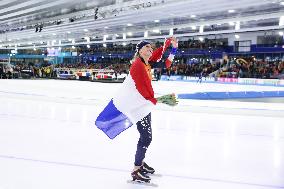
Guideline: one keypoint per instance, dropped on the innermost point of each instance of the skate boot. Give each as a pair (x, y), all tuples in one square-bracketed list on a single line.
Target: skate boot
[(147, 169), (140, 176)]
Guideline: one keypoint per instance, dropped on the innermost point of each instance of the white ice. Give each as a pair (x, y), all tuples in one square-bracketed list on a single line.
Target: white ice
[(48, 139)]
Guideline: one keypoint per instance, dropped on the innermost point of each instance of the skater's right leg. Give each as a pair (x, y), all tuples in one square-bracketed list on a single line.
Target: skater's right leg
[(144, 128)]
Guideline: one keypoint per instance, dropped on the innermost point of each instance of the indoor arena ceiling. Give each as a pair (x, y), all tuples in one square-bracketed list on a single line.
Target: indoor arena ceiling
[(41, 23)]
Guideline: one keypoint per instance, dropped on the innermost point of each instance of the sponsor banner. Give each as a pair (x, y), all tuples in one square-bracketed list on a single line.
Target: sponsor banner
[(172, 78), (248, 81), (185, 78), (261, 81), (227, 80)]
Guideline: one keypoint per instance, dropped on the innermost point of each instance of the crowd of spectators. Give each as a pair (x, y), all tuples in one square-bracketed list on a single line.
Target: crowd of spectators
[(193, 69), (119, 68), (252, 68), (233, 68)]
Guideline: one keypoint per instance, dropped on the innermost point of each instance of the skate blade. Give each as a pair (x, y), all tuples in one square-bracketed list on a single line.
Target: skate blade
[(155, 175), (142, 183)]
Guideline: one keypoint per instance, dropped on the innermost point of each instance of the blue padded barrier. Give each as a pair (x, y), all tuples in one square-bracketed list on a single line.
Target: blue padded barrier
[(231, 95)]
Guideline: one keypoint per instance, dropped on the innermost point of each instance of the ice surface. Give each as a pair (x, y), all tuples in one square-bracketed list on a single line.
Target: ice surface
[(48, 139)]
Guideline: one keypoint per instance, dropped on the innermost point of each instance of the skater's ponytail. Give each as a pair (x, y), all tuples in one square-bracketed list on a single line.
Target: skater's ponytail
[(136, 55)]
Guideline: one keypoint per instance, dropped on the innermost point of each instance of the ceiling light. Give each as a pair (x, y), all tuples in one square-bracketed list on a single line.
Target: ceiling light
[(237, 36), (156, 21), (156, 31), (54, 34), (231, 23), (88, 46), (146, 34), (105, 37), (281, 33), (231, 11), (238, 25), (281, 21), (282, 3), (129, 33), (69, 32), (201, 39), (124, 36), (124, 44), (104, 45), (88, 39), (129, 24), (85, 30), (193, 27), (193, 16), (106, 27), (171, 32), (201, 29), (73, 47)]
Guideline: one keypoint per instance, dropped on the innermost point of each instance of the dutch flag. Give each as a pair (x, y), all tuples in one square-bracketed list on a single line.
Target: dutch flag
[(133, 101)]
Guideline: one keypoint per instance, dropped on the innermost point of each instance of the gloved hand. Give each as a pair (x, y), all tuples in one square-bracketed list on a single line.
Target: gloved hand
[(169, 99)]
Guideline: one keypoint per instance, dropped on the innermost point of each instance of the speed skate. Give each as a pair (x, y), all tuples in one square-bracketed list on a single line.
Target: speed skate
[(149, 183)]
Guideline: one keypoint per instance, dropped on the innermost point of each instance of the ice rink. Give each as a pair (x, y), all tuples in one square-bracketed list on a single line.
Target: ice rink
[(48, 139)]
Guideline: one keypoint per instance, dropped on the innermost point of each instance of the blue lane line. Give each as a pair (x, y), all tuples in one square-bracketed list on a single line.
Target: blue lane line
[(32, 94), (37, 118), (20, 93), (122, 170)]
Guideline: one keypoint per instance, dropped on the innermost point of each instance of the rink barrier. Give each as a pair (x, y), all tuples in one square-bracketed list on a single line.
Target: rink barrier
[(241, 81), (231, 95)]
